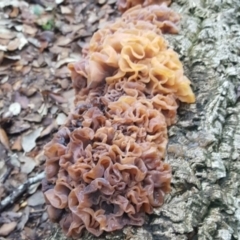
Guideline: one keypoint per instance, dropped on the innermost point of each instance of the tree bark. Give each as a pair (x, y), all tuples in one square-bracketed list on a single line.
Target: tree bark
[(204, 145)]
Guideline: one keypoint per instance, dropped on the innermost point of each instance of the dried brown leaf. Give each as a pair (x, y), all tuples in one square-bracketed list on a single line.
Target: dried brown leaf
[(6, 34), (7, 228), (12, 57), (35, 42), (59, 1), (29, 29), (14, 13), (64, 83), (49, 129), (64, 62), (36, 199), (18, 127), (28, 164), (66, 10), (13, 3), (29, 139), (46, 36), (69, 95), (55, 96), (62, 72), (17, 85), (33, 117), (15, 161), (1, 56), (17, 144), (28, 91), (6, 87), (24, 219), (63, 41), (4, 139), (13, 44), (26, 70), (22, 100), (61, 119)]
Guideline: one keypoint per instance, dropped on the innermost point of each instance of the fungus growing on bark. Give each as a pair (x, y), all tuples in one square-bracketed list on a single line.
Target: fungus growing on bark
[(123, 5), (105, 167)]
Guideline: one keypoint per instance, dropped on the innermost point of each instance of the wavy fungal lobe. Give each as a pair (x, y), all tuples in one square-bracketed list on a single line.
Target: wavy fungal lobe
[(105, 168)]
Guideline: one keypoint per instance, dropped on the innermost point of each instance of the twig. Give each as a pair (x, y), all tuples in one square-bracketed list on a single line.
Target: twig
[(20, 190)]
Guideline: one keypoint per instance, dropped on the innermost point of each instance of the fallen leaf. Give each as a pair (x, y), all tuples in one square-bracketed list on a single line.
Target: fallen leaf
[(44, 217), (59, 1), (4, 139), (64, 83), (7, 228), (43, 110), (22, 100), (61, 119), (29, 29), (33, 187), (54, 109), (55, 96), (29, 140), (1, 56), (62, 72), (28, 164), (17, 85), (15, 108), (17, 144), (66, 10), (22, 41), (18, 127), (63, 41), (3, 169), (24, 219), (4, 79), (6, 34), (13, 3), (64, 61), (49, 129), (33, 117), (47, 36), (36, 101), (13, 45), (70, 96), (26, 70), (36, 199), (6, 87), (14, 13), (12, 57), (14, 160), (3, 48), (28, 91), (35, 42)]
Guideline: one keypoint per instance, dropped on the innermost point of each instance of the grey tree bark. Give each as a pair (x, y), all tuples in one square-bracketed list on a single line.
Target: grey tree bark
[(204, 145)]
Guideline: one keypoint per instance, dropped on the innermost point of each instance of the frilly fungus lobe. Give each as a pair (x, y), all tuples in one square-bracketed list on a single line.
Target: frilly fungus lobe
[(105, 167)]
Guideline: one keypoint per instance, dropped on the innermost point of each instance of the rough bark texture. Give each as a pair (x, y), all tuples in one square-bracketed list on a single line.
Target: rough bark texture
[(204, 145)]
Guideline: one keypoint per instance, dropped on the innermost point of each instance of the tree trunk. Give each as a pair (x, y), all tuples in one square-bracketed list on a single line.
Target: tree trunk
[(204, 145)]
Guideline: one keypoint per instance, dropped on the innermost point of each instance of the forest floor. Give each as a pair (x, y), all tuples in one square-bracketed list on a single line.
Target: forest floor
[(38, 38)]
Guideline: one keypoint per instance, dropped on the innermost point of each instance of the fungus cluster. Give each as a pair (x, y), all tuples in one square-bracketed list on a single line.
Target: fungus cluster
[(104, 167), (123, 5)]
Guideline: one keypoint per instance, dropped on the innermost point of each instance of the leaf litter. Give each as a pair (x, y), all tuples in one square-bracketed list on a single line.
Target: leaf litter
[(38, 38)]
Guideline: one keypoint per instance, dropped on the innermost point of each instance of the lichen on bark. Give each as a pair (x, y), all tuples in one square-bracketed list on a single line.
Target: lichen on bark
[(203, 147)]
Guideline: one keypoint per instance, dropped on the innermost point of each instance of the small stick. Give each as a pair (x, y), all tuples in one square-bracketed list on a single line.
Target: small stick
[(20, 190)]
